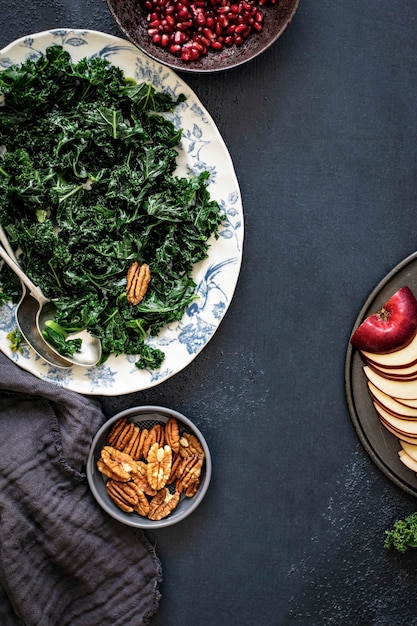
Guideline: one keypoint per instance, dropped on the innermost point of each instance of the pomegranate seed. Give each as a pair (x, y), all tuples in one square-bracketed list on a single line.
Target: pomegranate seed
[(174, 48), (179, 37), (198, 46), (183, 14), (208, 33), (194, 54), (240, 29)]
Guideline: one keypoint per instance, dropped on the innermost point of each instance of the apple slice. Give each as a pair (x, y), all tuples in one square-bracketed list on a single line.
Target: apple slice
[(391, 375), (393, 327), (398, 372), (407, 402), (399, 436), (408, 461), (405, 357), (405, 389), (391, 405), (410, 449), (403, 426)]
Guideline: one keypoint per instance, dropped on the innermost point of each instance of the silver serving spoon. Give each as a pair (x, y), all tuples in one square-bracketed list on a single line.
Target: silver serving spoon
[(26, 311), (38, 310)]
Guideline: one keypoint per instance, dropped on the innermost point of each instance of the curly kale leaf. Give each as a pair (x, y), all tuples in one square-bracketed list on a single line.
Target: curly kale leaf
[(403, 535), (16, 340), (150, 358)]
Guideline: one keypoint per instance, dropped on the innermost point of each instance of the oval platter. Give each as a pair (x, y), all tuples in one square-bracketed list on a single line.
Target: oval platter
[(201, 148), (381, 445)]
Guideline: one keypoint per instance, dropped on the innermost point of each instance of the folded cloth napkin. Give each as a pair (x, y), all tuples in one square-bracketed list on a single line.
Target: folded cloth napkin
[(63, 561)]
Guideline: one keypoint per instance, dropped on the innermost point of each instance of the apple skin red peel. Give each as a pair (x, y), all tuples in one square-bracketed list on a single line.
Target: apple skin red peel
[(393, 327)]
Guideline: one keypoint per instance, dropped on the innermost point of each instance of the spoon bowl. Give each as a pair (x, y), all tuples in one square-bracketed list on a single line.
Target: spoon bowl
[(33, 314), (26, 312)]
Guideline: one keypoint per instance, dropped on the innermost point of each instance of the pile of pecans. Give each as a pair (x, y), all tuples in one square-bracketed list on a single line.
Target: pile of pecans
[(148, 470), (190, 29)]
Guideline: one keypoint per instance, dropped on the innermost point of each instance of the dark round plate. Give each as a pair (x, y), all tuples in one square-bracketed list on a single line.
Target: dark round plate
[(380, 444), (131, 19)]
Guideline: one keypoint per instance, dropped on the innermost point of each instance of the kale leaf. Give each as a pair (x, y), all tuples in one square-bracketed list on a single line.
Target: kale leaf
[(403, 534)]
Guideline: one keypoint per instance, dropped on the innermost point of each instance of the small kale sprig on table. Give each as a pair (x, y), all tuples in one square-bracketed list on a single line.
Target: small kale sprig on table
[(403, 534), (87, 187)]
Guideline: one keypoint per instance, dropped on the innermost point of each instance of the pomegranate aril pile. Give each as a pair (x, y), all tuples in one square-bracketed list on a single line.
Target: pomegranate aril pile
[(189, 30)]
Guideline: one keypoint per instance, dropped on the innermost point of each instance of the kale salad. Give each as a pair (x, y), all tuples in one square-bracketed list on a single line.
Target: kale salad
[(88, 189)]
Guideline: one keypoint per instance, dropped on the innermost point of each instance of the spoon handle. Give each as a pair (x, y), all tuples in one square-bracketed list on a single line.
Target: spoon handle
[(34, 290), (6, 245)]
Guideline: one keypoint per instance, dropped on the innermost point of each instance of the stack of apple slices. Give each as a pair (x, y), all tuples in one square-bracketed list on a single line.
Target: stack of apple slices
[(387, 342)]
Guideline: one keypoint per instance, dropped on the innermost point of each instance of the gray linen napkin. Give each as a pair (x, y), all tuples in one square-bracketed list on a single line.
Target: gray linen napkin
[(63, 561)]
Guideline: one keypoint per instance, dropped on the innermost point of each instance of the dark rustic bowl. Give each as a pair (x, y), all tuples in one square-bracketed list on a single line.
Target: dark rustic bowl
[(146, 416), (131, 19)]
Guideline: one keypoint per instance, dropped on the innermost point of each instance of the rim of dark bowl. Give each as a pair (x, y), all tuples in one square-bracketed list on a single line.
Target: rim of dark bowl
[(132, 22), (94, 475)]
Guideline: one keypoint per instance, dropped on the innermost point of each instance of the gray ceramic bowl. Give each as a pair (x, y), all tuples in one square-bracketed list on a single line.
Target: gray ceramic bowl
[(131, 19), (146, 416)]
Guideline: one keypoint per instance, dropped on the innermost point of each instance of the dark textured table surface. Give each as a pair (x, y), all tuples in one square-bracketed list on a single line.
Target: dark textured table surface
[(322, 130)]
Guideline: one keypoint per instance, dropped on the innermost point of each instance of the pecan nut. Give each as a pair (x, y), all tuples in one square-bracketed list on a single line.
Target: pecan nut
[(172, 434), (155, 435), (115, 431), (122, 494), (116, 464), (189, 473), (131, 443), (124, 436), (137, 281), (141, 479), (176, 461), (159, 466), (189, 445), (128, 497), (163, 504)]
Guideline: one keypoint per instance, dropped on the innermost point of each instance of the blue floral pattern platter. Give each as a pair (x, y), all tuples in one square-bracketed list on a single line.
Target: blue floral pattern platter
[(201, 148)]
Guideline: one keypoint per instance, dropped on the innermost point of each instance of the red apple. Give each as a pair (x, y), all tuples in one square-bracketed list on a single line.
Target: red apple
[(393, 327)]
